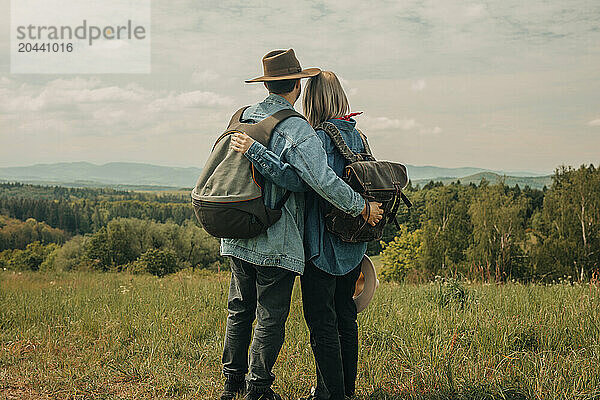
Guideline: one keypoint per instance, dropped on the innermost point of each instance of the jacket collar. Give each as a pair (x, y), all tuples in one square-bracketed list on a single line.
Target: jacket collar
[(344, 125), (277, 99)]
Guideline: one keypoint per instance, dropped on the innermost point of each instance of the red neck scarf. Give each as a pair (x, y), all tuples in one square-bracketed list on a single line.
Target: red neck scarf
[(347, 117)]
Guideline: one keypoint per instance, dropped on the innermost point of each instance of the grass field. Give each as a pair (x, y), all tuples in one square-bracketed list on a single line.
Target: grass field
[(111, 336)]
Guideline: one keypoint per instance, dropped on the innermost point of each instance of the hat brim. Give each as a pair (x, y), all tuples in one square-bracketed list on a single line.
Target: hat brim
[(305, 73), (364, 297)]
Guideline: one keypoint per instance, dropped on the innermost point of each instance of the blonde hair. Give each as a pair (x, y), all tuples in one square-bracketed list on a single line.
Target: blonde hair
[(324, 98)]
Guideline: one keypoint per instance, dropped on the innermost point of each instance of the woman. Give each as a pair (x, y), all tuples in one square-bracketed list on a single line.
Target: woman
[(332, 266)]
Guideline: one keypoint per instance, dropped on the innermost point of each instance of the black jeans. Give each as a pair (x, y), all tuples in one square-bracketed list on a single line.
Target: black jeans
[(263, 293), (330, 314)]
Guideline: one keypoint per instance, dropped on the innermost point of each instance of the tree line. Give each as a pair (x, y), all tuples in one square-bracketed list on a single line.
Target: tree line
[(17, 189), (124, 244), (485, 232), (81, 215), (17, 234), (496, 233)]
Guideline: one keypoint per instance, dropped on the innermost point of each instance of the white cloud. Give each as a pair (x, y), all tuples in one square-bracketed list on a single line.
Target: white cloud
[(418, 85), (74, 83), (385, 123), (434, 131), (67, 95), (475, 10), (405, 124), (90, 107), (204, 76), (594, 122), (196, 98), (348, 88)]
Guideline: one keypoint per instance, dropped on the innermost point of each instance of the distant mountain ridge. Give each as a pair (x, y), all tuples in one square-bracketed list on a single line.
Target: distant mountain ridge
[(115, 173), (430, 172), (150, 175), (534, 182)]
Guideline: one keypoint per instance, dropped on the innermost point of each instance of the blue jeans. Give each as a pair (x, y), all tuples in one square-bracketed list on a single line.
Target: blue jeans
[(263, 293)]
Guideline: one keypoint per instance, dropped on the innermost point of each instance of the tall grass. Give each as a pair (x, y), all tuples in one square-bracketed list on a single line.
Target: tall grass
[(111, 336)]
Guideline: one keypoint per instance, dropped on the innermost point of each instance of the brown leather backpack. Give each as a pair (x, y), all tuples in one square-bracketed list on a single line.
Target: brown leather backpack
[(380, 181)]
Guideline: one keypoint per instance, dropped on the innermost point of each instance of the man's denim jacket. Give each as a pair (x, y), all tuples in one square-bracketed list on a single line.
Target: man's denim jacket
[(300, 159)]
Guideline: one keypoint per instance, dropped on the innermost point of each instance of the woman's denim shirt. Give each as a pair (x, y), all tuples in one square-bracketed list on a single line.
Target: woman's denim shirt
[(325, 250), (295, 157)]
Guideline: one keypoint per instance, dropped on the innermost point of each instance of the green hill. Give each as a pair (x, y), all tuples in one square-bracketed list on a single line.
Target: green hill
[(535, 182)]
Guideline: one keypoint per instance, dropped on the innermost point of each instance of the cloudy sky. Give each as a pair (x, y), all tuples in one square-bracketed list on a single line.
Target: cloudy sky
[(509, 85)]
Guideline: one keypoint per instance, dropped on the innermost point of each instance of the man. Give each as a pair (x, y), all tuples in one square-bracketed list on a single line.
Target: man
[(264, 267)]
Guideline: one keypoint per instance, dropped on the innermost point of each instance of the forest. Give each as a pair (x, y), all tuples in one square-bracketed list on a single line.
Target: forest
[(485, 232)]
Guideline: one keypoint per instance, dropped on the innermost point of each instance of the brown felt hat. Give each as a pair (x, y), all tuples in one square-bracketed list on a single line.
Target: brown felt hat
[(279, 65)]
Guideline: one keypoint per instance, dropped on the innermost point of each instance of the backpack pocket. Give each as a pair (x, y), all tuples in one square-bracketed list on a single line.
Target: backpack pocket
[(243, 220)]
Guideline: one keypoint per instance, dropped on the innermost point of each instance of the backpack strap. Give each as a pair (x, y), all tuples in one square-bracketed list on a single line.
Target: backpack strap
[(262, 130), (365, 143), (284, 198), (237, 117), (394, 210), (406, 200), (273, 120), (336, 137)]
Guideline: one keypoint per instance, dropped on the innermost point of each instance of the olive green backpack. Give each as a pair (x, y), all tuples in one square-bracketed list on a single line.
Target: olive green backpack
[(228, 197)]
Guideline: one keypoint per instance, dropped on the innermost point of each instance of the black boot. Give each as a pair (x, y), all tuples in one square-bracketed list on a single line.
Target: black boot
[(234, 386), (269, 394)]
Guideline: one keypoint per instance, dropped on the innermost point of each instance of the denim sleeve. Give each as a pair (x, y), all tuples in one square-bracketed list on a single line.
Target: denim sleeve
[(272, 167), (310, 161)]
